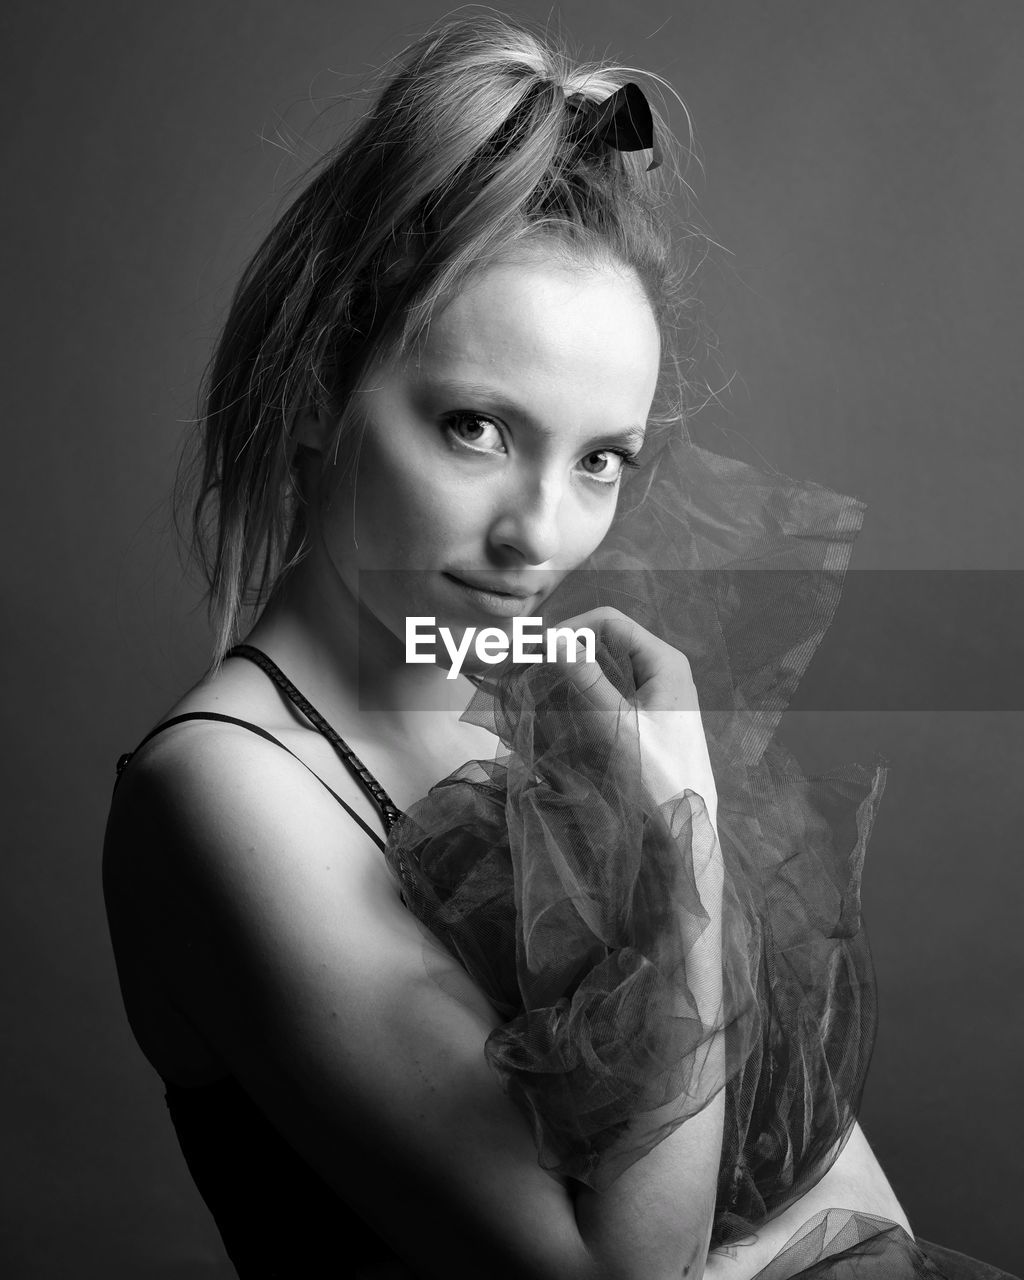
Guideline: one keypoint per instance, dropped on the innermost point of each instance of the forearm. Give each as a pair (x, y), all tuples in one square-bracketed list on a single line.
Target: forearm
[(656, 1218), (855, 1181)]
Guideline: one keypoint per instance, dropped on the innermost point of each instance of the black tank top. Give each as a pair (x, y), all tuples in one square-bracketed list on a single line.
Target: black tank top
[(276, 1215)]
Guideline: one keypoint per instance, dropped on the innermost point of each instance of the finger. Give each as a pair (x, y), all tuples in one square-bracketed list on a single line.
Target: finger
[(661, 674), (586, 677)]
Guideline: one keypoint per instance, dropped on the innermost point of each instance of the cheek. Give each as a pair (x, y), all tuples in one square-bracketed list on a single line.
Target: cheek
[(407, 507), (589, 524)]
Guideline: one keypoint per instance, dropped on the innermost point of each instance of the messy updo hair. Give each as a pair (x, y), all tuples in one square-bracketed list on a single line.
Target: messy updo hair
[(472, 149)]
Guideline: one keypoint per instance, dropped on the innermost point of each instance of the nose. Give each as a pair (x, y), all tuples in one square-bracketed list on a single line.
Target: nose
[(528, 521)]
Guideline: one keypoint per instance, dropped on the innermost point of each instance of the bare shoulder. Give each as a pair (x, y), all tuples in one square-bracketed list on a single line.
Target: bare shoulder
[(193, 791), (205, 773), (227, 864), (215, 811), (208, 822)]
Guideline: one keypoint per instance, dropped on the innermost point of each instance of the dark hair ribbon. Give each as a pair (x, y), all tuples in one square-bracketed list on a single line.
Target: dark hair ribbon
[(622, 121)]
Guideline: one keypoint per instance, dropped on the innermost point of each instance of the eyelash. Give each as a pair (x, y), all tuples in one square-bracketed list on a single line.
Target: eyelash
[(627, 458)]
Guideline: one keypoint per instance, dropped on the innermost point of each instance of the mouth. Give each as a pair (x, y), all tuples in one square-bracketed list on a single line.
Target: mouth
[(494, 586), (501, 600)]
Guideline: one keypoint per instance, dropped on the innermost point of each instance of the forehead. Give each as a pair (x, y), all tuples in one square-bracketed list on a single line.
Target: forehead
[(544, 326)]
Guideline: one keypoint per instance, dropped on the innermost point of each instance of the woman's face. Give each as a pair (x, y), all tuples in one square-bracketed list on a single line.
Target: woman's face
[(491, 459)]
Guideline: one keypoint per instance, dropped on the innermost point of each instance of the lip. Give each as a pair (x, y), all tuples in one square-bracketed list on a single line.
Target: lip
[(492, 586), (502, 602)]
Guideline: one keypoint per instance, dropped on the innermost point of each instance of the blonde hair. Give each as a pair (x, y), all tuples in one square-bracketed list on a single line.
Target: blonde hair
[(471, 149)]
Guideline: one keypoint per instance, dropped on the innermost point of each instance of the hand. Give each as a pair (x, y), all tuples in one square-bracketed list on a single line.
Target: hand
[(673, 747)]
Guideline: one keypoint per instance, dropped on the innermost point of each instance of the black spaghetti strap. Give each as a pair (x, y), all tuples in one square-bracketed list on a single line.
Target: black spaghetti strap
[(390, 813), (253, 728)]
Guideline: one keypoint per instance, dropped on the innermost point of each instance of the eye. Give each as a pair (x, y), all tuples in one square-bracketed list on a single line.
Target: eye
[(607, 465), (474, 431)]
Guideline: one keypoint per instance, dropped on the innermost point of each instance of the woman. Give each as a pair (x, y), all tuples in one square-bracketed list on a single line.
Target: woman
[(604, 1004)]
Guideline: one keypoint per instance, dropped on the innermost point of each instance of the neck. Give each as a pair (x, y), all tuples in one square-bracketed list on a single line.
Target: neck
[(348, 663)]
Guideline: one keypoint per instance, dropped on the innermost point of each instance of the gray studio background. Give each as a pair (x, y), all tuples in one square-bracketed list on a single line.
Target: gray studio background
[(863, 169)]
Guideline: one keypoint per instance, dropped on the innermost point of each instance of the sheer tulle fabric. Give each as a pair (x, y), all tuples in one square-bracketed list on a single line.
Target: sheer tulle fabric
[(841, 1244), (574, 901)]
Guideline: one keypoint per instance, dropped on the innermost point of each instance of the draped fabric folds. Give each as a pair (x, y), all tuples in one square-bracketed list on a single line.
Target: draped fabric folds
[(575, 901)]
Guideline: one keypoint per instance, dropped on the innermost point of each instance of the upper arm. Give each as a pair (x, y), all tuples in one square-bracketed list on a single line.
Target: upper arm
[(275, 926)]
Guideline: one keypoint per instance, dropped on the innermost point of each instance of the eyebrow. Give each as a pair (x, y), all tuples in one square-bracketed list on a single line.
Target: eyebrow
[(459, 388)]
